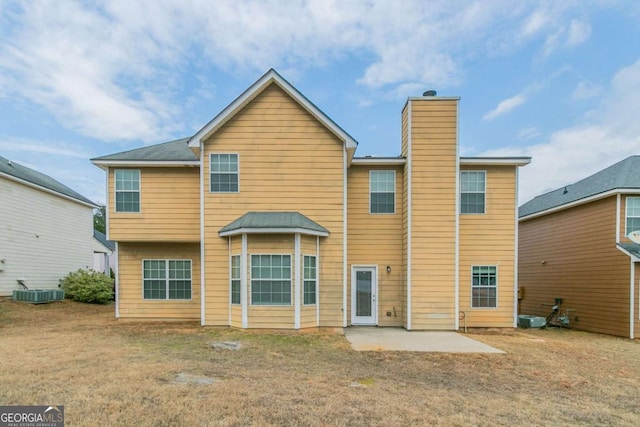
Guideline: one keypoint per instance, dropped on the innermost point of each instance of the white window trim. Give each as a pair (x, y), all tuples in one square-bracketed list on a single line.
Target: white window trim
[(250, 280), (211, 172), (231, 279), (315, 279), (167, 279), (471, 282), (115, 191), (395, 198), (484, 172), (626, 213)]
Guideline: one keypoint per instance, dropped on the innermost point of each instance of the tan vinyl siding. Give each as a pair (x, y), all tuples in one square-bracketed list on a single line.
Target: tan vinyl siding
[(489, 239), (572, 255), (169, 207), (131, 302), (288, 162), (376, 239), (433, 204)]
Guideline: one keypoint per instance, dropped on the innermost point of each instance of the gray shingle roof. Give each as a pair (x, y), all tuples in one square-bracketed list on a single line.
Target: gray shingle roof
[(632, 248), (41, 180), (274, 221), (623, 175), (167, 151), (100, 237)]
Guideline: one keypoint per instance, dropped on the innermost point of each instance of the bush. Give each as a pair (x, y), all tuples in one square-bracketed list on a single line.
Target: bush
[(88, 286)]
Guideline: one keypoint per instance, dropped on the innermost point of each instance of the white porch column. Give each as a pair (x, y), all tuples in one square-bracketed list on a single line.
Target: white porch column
[(297, 271), (244, 297)]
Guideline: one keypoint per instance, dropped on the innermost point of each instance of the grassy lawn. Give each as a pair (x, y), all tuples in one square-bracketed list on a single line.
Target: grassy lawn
[(107, 372)]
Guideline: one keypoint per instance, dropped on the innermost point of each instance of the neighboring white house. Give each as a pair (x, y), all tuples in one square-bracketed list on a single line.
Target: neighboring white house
[(46, 229), (104, 254)]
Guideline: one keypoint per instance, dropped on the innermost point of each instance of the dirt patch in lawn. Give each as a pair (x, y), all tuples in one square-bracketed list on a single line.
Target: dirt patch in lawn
[(107, 372)]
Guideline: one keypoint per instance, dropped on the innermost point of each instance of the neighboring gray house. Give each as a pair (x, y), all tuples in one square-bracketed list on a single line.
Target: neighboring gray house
[(105, 256), (46, 229)]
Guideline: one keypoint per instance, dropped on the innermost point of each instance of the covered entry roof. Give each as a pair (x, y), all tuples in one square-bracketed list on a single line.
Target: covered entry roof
[(273, 222)]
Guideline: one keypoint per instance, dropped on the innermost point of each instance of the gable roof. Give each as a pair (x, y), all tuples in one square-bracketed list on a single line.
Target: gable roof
[(624, 175), (17, 172), (271, 77), (172, 151), (273, 222)]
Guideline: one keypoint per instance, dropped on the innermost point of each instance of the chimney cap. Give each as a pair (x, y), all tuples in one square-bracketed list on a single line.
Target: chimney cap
[(430, 92)]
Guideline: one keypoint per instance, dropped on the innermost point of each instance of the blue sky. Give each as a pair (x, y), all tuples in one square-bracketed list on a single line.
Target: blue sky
[(555, 80)]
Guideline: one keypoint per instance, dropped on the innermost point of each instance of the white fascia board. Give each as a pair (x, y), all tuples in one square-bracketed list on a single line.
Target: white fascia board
[(103, 164), (47, 190), (252, 92), (581, 201), (273, 231), (372, 161), (495, 161), (433, 98)]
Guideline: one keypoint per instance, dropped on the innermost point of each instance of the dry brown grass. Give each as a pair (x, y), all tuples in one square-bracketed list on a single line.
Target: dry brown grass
[(107, 372)]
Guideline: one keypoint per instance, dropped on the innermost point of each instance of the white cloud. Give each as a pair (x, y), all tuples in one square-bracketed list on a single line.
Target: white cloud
[(43, 147), (579, 32), (505, 106), (528, 133), (565, 37), (113, 71), (585, 90), (607, 135)]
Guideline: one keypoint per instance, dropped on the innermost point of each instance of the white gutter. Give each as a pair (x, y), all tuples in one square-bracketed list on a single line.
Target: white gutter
[(581, 201), (106, 208), (495, 161), (409, 215), (280, 230), (146, 163), (317, 281), (378, 161), (202, 259)]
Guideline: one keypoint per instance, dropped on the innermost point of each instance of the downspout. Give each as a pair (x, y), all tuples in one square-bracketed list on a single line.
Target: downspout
[(344, 236), (632, 297), (515, 257), (409, 161), (202, 259), (456, 277)]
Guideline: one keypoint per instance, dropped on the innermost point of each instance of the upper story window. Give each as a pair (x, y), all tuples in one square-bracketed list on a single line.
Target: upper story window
[(224, 173), (484, 286), (633, 214), (166, 279), (472, 192), (382, 188), (127, 190)]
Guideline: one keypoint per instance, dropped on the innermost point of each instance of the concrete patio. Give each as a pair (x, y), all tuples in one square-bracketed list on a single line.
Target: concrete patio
[(365, 338)]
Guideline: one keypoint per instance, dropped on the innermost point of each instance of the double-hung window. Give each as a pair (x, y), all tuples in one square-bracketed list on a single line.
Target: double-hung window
[(224, 173), (127, 190), (166, 279), (633, 214), (310, 279), (484, 286), (472, 192), (235, 279), (382, 188), (271, 279)]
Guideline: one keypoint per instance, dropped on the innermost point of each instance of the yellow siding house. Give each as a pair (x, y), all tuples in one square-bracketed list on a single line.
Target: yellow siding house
[(265, 218)]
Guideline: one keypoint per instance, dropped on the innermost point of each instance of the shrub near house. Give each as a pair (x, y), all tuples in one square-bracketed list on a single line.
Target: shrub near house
[(88, 286)]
